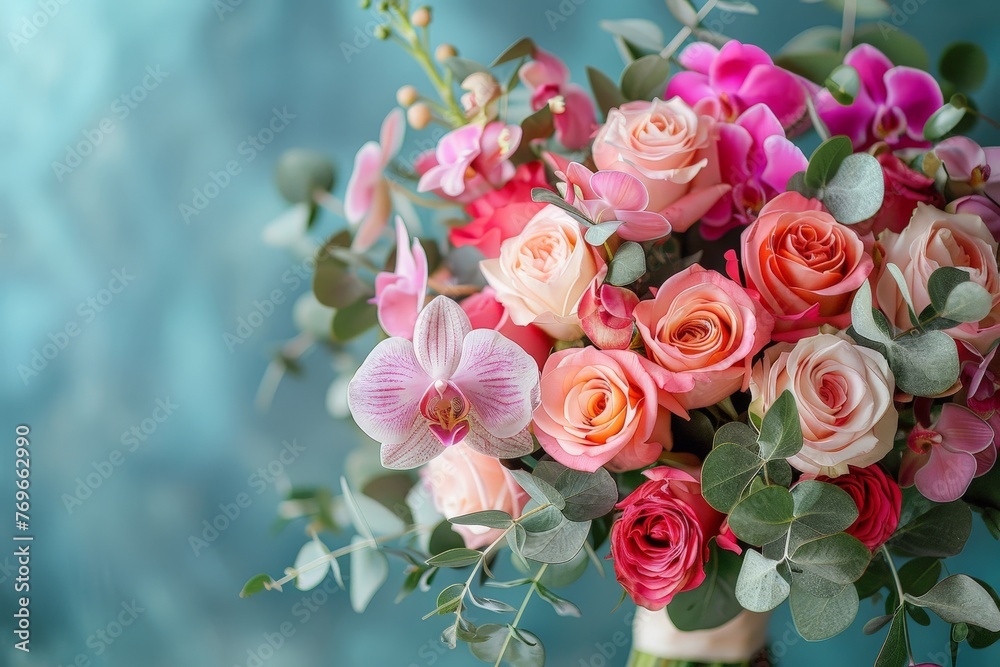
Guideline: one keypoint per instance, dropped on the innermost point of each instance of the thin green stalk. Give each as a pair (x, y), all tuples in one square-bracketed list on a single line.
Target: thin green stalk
[(520, 612), (902, 602)]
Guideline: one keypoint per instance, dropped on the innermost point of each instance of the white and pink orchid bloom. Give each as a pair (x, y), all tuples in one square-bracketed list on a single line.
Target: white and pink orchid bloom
[(614, 195), (367, 203), (451, 384), (573, 112), (470, 161), (400, 295)]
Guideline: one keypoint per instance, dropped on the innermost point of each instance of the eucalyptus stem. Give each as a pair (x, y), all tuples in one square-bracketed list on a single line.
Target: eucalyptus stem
[(902, 601), (520, 612), (686, 31), (847, 29)]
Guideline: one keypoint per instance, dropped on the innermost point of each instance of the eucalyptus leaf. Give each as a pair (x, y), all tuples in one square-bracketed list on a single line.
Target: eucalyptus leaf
[(646, 78), (540, 490), (763, 516), (865, 9), (556, 575), (737, 7), (824, 508), (726, 474), (606, 92), (826, 160), (516, 654), (522, 48), (255, 585), (780, 430), (931, 529), (844, 84), (943, 121), (713, 603), (920, 574), (955, 297), (556, 545), (546, 196), (455, 558), (354, 320), (904, 289), (901, 48), (813, 65), (602, 231), (369, 571), (449, 599), (310, 579), (684, 12), (627, 265), (893, 652), (586, 495), (737, 433), (980, 637), (876, 624), (544, 520), (819, 618), (301, 173), (562, 606), (760, 587), (856, 192), (840, 558), (639, 32), (489, 604), (463, 67), (965, 65), (488, 518), (924, 364), (959, 599)]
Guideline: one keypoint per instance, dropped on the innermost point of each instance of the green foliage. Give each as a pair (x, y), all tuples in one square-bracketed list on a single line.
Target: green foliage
[(522, 48), (627, 265), (849, 185), (646, 78), (302, 173), (760, 586), (826, 160), (780, 432), (602, 231), (459, 557), (488, 518), (255, 585), (964, 65), (817, 618), (369, 571), (960, 599), (354, 320), (931, 529), (944, 121), (844, 84), (606, 93), (546, 196), (585, 495), (335, 283), (520, 647)]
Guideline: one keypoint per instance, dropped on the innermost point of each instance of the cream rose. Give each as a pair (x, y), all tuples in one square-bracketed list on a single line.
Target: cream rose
[(543, 272), (843, 393), (671, 149), (931, 240), (462, 481), (706, 329)]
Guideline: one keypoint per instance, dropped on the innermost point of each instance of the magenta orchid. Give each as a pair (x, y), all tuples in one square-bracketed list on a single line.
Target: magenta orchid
[(367, 203), (610, 195), (723, 83), (470, 161), (941, 459), (757, 160), (892, 104), (451, 384), (606, 315), (399, 296), (573, 114)]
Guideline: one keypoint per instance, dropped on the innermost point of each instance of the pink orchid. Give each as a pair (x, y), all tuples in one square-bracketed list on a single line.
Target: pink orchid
[(757, 160), (723, 83), (366, 201), (470, 161), (612, 195), (941, 460), (892, 105), (606, 315), (574, 116), (451, 384), (971, 169), (400, 295), (981, 381), (985, 208)]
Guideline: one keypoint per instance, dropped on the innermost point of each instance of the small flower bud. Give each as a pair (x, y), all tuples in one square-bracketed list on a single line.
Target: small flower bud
[(444, 51), (407, 96), (421, 18), (418, 116), (365, 4), (382, 31)]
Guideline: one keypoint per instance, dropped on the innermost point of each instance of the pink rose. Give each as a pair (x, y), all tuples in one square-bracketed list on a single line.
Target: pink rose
[(805, 265), (878, 499), (843, 393), (485, 312), (500, 214), (462, 481), (601, 407), (904, 188), (660, 542), (706, 329), (543, 272), (671, 149), (934, 239)]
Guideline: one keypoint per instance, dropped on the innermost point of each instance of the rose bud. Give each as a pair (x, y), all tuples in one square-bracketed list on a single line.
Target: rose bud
[(878, 499)]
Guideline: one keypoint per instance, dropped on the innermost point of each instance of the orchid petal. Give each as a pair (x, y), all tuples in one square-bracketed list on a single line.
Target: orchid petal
[(642, 225), (985, 460), (481, 440), (391, 134), (779, 89), (690, 87), (418, 449), (576, 124), (620, 190), (361, 186), (375, 220), (782, 160), (760, 121), (544, 68), (437, 340), (578, 176), (910, 464), (698, 57), (852, 120), (960, 156), (734, 63), (916, 93), (946, 476), (963, 430), (384, 394), (872, 66), (500, 380), (688, 209)]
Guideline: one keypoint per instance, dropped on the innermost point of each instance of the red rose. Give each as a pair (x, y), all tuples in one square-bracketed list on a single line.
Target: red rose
[(878, 499), (904, 188), (500, 214), (660, 543)]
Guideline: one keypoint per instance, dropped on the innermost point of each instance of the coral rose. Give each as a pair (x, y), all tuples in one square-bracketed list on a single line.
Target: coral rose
[(706, 329), (601, 408), (843, 393), (805, 265), (878, 499), (671, 149), (660, 542)]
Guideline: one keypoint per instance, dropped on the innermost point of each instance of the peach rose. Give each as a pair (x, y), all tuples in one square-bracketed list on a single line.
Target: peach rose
[(934, 239), (462, 481), (671, 149), (602, 407), (705, 328), (543, 272), (843, 393), (805, 265)]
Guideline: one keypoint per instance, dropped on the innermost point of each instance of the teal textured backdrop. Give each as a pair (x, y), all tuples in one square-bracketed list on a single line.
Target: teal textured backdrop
[(98, 258)]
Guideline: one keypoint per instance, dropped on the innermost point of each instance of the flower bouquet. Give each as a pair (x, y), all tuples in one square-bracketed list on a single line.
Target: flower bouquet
[(640, 321)]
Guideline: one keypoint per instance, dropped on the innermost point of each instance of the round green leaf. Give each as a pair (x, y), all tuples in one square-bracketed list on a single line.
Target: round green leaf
[(964, 64), (760, 587), (856, 191), (627, 265), (301, 173), (840, 558), (819, 618), (646, 77), (844, 84), (587, 495), (515, 651), (826, 159), (713, 603), (959, 599), (763, 516), (726, 474), (943, 121)]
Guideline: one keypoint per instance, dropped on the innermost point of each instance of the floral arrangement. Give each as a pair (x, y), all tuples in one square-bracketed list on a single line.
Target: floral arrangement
[(643, 321)]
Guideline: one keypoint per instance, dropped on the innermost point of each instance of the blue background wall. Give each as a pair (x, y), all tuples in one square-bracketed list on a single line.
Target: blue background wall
[(161, 337)]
